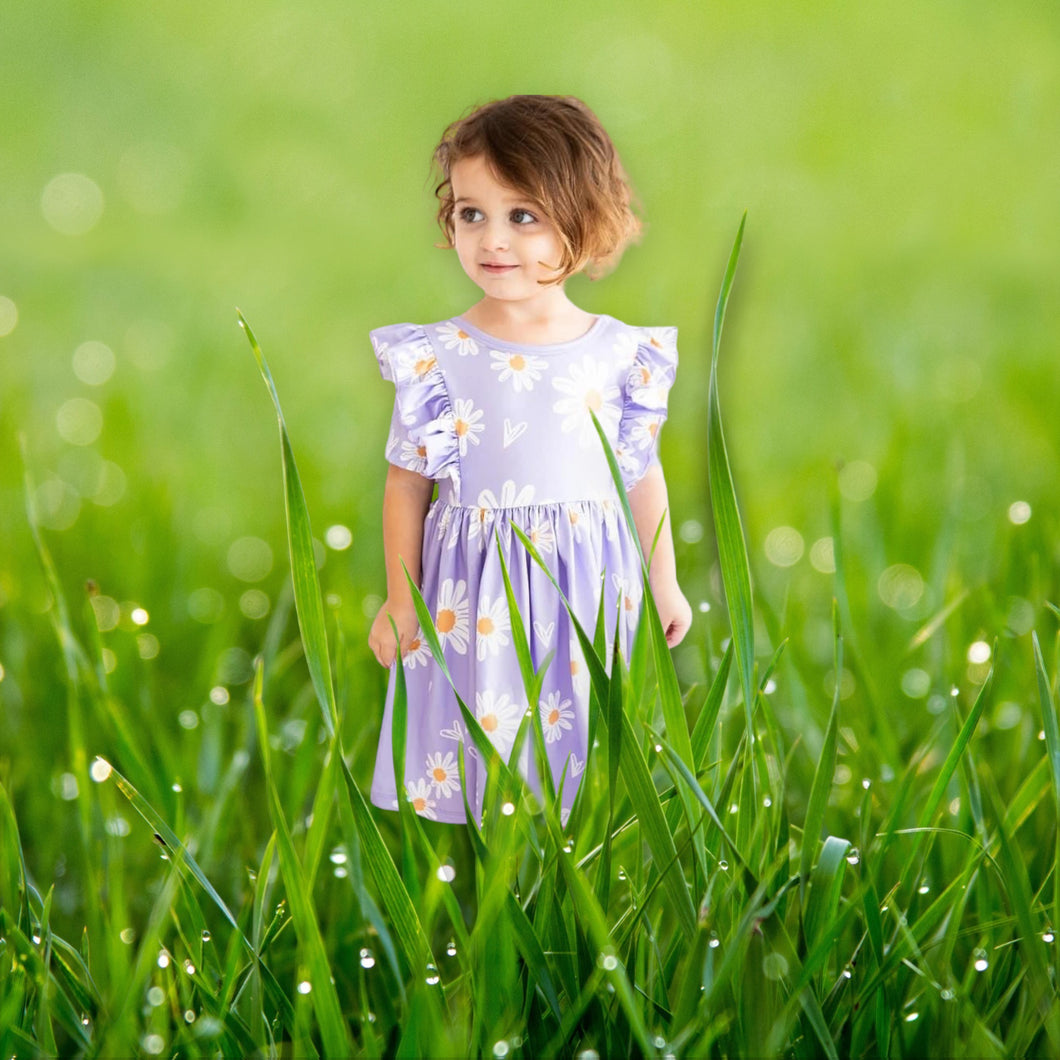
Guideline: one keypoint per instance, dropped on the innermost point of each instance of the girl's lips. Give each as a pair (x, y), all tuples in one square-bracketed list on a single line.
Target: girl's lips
[(495, 267)]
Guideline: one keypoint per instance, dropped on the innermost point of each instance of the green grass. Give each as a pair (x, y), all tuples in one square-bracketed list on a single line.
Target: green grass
[(843, 841)]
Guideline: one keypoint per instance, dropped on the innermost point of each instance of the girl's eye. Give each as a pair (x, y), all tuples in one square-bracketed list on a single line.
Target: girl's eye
[(522, 217), (469, 215)]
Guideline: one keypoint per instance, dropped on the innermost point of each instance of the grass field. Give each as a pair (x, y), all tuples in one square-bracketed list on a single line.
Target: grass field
[(187, 866)]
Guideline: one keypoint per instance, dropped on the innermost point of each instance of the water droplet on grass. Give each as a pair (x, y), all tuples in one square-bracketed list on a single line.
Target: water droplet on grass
[(189, 1015), (946, 994), (723, 865), (508, 808), (305, 987), (367, 959), (912, 1017), (338, 856), (446, 873), (154, 1044), (608, 961), (163, 959), (189, 967), (450, 950), (981, 962), (432, 978), (206, 936), (1048, 936), (155, 996), (854, 856), (714, 942), (501, 1049)]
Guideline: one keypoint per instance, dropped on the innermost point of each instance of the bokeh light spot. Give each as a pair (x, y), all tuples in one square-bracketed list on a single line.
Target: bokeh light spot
[(784, 546), (822, 555), (206, 605), (107, 612), (1019, 512), (93, 362), (979, 652), (57, 504), (900, 586), (8, 315), (338, 537), (72, 203), (254, 604), (79, 421), (249, 559), (857, 480), (148, 646), (916, 683), (691, 531)]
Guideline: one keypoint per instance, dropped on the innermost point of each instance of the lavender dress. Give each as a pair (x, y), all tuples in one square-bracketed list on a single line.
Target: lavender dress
[(505, 431)]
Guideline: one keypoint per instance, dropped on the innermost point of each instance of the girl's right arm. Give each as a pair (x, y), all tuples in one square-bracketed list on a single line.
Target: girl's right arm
[(405, 501)]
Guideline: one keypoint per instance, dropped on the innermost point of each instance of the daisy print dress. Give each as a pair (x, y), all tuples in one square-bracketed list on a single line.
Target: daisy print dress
[(506, 432)]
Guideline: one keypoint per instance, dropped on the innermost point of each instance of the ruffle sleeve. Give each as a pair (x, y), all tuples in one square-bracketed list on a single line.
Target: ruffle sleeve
[(422, 434), (644, 402)]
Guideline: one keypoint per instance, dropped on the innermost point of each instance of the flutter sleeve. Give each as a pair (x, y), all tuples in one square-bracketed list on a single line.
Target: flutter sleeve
[(422, 434), (644, 402)]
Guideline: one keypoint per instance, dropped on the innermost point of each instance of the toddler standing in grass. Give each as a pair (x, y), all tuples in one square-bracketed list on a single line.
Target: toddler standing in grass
[(493, 407)]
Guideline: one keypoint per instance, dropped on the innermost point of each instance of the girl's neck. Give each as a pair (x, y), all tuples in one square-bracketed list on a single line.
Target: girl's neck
[(544, 322)]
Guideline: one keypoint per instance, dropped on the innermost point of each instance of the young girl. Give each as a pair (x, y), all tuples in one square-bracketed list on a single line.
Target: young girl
[(493, 407)]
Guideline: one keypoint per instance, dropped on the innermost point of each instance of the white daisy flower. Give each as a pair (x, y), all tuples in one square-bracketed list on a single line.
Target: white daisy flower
[(645, 431), (457, 338), (577, 524), (541, 536), (491, 629), (556, 716), (522, 369), (418, 793), (589, 387), (579, 670), (414, 457), (443, 773), (628, 591), (417, 653), (466, 423), (479, 525), (413, 362), (451, 615), (499, 718), (648, 388), (511, 496)]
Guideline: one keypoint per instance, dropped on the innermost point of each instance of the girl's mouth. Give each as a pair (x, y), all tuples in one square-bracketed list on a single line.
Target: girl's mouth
[(496, 268)]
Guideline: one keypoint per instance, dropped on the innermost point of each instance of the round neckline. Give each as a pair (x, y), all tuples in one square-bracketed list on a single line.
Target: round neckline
[(543, 347)]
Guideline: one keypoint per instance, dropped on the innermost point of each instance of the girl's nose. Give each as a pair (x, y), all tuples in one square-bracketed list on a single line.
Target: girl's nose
[(494, 236)]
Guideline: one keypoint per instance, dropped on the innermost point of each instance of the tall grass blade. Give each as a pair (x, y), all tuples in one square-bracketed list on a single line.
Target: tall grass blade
[(333, 1029), (308, 603), (732, 549)]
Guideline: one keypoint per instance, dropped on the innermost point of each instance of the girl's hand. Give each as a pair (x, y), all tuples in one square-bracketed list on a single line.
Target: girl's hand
[(675, 613), (381, 636)]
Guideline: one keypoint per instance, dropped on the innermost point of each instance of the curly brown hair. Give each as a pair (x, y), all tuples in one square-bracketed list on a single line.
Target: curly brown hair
[(554, 150)]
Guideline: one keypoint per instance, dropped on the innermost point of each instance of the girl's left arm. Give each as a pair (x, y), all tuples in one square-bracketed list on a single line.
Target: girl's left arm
[(649, 503)]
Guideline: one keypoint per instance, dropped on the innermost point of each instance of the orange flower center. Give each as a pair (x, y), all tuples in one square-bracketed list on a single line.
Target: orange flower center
[(485, 626), (553, 716), (461, 334), (424, 365), (419, 804), (461, 428), (645, 376), (421, 450), (573, 516), (414, 645), (446, 620), (653, 429), (574, 666), (628, 603), (439, 774), (489, 722), (517, 362), (656, 343), (593, 400)]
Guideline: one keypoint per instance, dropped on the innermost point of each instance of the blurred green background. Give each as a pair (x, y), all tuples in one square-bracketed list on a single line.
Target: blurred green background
[(894, 314)]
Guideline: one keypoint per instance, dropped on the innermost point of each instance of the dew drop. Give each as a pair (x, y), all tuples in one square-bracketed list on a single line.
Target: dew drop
[(569, 846), (621, 873), (189, 1015), (714, 942), (36, 939), (923, 889), (206, 936), (500, 1049), (588, 1054), (723, 865), (946, 994), (609, 962), (163, 959), (367, 959), (155, 996), (981, 962), (432, 978), (847, 973), (450, 950), (912, 1017), (767, 802), (189, 967), (734, 808), (1048, 936), (305, 987), (154, 1044), (659, 1041), (446, 873), (854, 856), (866, 783), (338, 856), (508, 808), (658, 748)]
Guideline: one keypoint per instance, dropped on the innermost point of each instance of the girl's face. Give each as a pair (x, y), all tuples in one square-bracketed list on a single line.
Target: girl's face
[(504, 242)]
